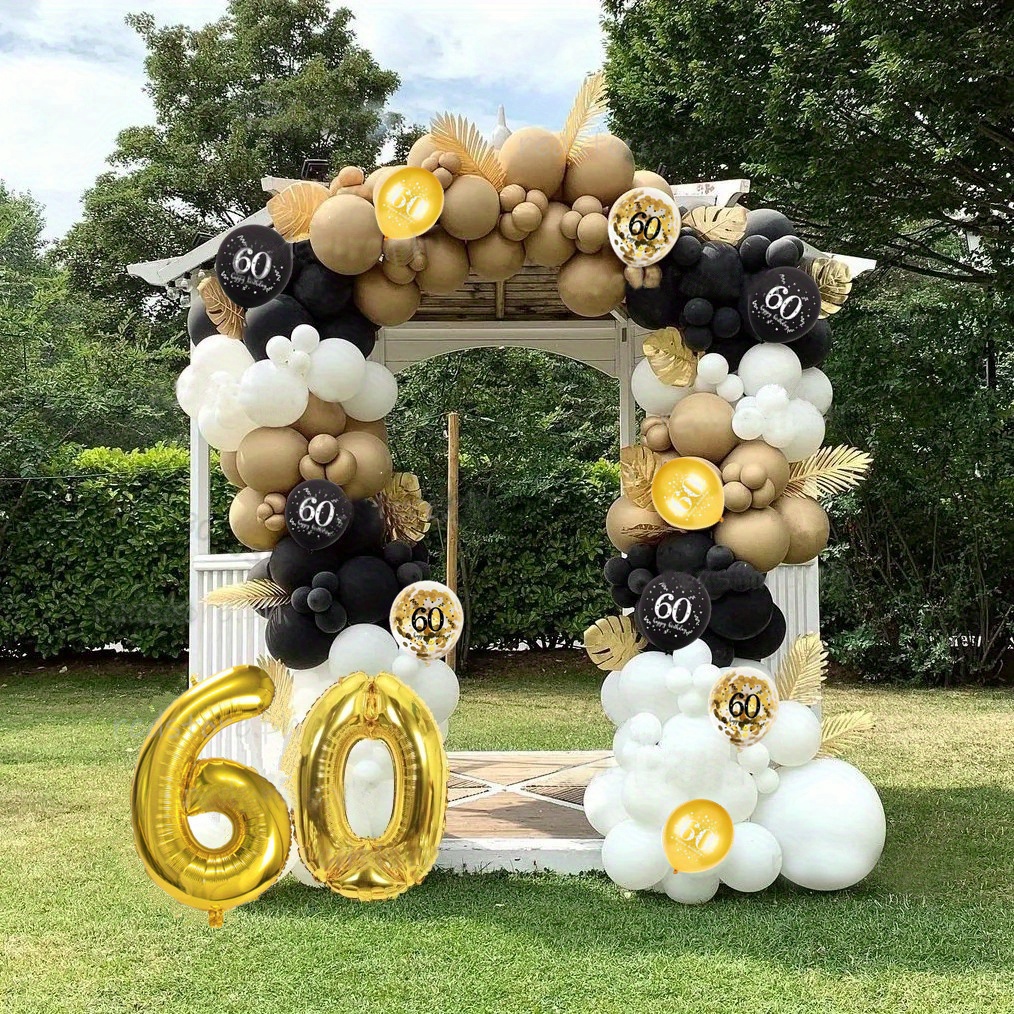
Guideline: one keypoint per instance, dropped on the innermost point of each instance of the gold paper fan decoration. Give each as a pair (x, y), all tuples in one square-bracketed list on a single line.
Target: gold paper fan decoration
[(613, 641), (226, 315), (259, 594), (803, 670), (834, 279), (723, 225), (670, 359), (839, 733), (637, 468), (463, 138), (279, 713), (406, 514), (292, 208), (829, 470), (589, 105)]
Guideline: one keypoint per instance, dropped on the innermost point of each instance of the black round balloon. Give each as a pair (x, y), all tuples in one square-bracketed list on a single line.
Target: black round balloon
[(639, 579), (281, 316), (368, 589), (617, 570), (326, 579), (734, 348), (396, 553), (623, 596), (420, 551), (719, 557), (687, 250), (723, 651), (323, 292), (641, 555), (409, 573), (199, 325), (317, 513), (739, 615), (717, 276), (815, 346), (780, 304), (365, 536), (698, 312), (333, 620), (673, 611), (753, 252), (767, 642), (684, 552), (253, 264), (295, 639), (698, 338), (769, 223), (725, 323), (785, 252), (351, 325)]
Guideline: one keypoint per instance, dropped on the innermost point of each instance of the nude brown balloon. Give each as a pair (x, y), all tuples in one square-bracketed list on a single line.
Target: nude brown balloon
[(534, 158), (761, 537), (701, 425), (495, 258), (446, 263), (268, 458), (385, 302), (592, 284), (345, 236), (377, 429), (627, 524), (421, 150), (757, 452), (320, 417), (245, 524), (604, 169), (808, 527), (227, 462), (373, 464), (647, 178), (737, 497), (547, 246), (471, 208)]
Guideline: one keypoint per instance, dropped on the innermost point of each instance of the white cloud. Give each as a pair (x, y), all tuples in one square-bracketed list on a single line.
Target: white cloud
[(72, 75)]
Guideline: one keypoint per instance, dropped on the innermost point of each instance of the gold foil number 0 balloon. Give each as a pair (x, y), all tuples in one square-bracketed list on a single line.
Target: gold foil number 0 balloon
[(171, 784), (380, 708)]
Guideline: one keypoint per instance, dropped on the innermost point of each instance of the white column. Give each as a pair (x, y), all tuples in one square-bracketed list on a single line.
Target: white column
[(200, 542)]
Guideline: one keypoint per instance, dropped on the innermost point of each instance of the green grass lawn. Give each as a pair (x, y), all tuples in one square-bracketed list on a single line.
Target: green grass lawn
[(84, 930)]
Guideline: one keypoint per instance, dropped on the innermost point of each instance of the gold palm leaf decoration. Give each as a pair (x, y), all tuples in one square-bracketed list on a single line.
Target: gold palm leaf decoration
[(830, 470), (724, 225), (589, 105), (670, 359), (292, 208), (613, 641), (647, 532), (259, 594), (226, 315), (279, 713), (834, 279), (460, 136), (406, 514), (637, 469), (841, 732), (288, 764), (803, 671)]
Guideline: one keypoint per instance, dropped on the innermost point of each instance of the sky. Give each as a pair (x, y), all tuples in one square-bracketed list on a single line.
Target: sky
[(72, 74)]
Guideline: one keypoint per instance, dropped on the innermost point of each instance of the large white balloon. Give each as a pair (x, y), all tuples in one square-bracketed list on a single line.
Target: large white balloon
[(273, 395), (644, 686), (363, 647), (754, 861), (633, 856), (816, 389), (649, 798), (337, 370), (829, 822), (218, 353), (769, 363), (369, 788), (807, 430), (603, 802), (793, 738), (436, 684), (376, 396), (651, 394), (614, 704), (691, 888)]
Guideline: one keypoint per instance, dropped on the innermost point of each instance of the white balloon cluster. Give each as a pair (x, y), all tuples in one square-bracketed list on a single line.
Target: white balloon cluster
[(231, 394), (818, 822)]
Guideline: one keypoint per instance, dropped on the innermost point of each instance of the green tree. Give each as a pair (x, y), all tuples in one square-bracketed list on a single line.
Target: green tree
[(881, 129), (269, 84)]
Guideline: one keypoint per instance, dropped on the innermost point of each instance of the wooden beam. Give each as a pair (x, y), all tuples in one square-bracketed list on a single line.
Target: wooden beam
[(453, 449), (501, 300)]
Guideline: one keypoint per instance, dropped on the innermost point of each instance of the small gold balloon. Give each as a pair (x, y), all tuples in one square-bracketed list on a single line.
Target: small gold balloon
[(697, 836), (427, 619), (743, 704), (687, 492), (408, 203)]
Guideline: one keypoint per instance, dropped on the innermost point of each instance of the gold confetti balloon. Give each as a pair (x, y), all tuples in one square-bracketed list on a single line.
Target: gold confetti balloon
[(697, 836), (408, 203), (427, 619), (743, 704), (687, 492), (644, 224)]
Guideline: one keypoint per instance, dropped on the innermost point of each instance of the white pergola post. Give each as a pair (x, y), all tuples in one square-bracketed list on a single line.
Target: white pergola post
[(200, 534)]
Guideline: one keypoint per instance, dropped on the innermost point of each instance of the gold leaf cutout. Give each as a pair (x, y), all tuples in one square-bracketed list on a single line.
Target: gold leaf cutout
[(259, 594), (613, 641), (834, 279), (637, 469), (840, 732), (406, 514), (279, 714), (647, 532), (670, 359), (226, 315), (723, 225), (478, 157), (829, 470), (589, 104), (803, 670), (292, 208)]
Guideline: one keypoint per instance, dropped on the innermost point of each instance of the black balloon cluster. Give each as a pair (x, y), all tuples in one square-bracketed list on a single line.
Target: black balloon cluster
[(727, 298)]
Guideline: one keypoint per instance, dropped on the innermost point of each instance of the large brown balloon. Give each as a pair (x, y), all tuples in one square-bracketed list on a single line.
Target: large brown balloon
[(495, 258), (627, 524), (646, 178), (759, 536), (548, 246), (245, 525), (227, 462), (320, 417), (268, 458), (758, 452), (379, 175), (446, 263), (421, 150), (345, 236), (701, 425), (377, 429), (385, 302), (808, 527), (592, 284), (535, 158), (471, 207), (604, 169), (373, 464)]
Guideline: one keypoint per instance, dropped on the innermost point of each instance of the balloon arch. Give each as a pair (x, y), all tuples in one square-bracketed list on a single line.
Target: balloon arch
[(724, 771)]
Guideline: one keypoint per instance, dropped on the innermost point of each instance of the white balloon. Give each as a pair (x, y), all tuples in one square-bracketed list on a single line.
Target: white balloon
[(748, 422), (772, 398), (218, 353), (643, 684), (272, 395), (337, 370), (633, 856), (731, 389), (613, 702), (807, 430), (376, 397), (692, 655), (713, 368), (645, 729), (223, 430), (305, 338), (363, 647), (437, 685), (302, 874), (190, 388), (754, 861), (829, 822), (793, 738), (406, 666), (766, 781), (651, 394), (369, 788), (603, 803), (650, 799), (754, 758), (815, 388), (736, 791), (769, 363), (212, 830), (779, 429), (691, 888), (693, 702)]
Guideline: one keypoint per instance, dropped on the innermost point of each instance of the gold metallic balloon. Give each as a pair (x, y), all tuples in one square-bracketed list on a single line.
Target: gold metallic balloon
[(697, 836), (380, 708), (171, 784), (743, 704), (427, 619), (408, 203), (687, 492)]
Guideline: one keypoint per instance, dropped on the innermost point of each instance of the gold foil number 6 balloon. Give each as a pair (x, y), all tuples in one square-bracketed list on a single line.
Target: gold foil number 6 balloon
[(380, 708), (171, 784)]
